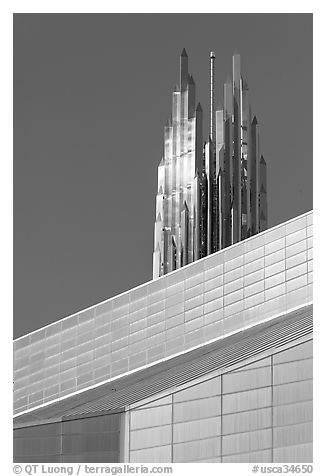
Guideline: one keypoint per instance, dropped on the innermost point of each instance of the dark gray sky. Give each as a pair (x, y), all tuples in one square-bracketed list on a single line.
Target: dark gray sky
[(91, 95)]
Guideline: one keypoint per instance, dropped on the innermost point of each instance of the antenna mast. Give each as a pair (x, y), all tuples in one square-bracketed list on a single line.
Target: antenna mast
[(212, 96)]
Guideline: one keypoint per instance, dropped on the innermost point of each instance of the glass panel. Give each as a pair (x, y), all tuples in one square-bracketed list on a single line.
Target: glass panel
[(213, 283), (157, 436), (254, 277), (233, 252), (137, 315), (174, 321), (274, 234), (233, 264), (159, 454), (237, 443), (156, 307), (193, 338), (293, 434), (214, 272), (194, 324), (155, 340), (213, 294), (194, 302), (252, 301), (295, 298), (103, 308), (174, 310), (310, 254), (292, 392), (298, 453), (138, 325), (310, 266), (194, 269), (175, 345), (293, 413), (177, 288), (310, 231), (213, 305), (296, 248), (274, 292), (234, 308), (297, 352), (247, 400), (120, 333), (156, 329), (254, 289), (246, 421), (296, 259), (208, 388), (296, 271), (296, 283), (175, 331), (140, 292), (136, 347), (295, 237), (137, 304), (150, 417), (120, 344), (232, 275), (274, 246), (214, 261), (156, 296), (155, 318), (254, 266), (254, 255), (157, 402), (233, 286), (292, 371), (194, 291), (295, 224), (261, 439), (274, 306), (275, 280), (275, 257), (194, 280), (119, 367), (241, 458), (254, 242), (120, 322), (233, 297), (196, 409), (246, 379), (196, 450), (218, 326), (310, 218)]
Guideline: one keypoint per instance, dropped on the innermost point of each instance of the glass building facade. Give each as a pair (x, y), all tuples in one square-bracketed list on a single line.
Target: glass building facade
[(259, 412), (242, 390)]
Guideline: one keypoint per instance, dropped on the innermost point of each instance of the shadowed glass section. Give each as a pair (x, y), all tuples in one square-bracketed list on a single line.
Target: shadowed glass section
[(251, 281), (95, 439)]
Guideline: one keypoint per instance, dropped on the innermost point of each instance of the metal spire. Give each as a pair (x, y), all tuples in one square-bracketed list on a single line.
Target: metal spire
[(212, 97)]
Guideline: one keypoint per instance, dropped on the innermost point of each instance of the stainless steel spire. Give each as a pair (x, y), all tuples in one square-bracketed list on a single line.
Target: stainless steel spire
[(212, 96), (214, 194)]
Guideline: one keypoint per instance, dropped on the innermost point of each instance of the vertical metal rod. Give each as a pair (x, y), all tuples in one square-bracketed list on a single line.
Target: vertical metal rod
[(212, 96)]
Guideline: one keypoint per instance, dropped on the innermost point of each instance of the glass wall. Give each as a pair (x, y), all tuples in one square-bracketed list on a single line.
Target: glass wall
[(264, 276), (261, 412), (95, 439)]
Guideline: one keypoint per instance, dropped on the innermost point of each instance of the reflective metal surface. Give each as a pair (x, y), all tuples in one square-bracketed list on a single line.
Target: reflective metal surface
[(261, 277)]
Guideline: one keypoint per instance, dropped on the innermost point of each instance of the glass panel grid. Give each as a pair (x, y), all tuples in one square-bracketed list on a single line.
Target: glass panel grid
[(221, 293)]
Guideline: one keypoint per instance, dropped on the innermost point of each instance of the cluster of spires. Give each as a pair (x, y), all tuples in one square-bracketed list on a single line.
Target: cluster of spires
[(210, 194)]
